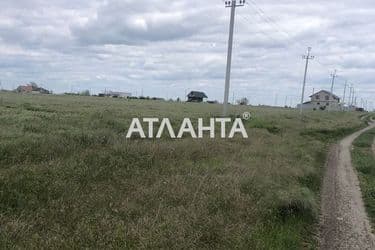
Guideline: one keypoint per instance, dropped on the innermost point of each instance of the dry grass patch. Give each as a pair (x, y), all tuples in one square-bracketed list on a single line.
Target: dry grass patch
[(69, 178)]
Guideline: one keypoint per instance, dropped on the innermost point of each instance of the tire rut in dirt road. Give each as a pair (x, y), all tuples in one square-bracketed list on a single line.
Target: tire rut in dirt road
[(344, 223)]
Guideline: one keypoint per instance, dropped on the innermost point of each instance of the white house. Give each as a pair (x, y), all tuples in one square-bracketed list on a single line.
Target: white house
[(119, 94), (323, 100)]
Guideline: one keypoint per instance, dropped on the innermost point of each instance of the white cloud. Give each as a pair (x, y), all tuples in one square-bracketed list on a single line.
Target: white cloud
[(154, 44)]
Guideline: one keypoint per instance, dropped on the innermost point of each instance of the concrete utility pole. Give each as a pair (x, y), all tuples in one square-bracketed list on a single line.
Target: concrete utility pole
[(350, 96), (276, 99), (343, 99), (307, 58), (334, 75), (233, 5), (186, 90), (353, 97), (286, 101)]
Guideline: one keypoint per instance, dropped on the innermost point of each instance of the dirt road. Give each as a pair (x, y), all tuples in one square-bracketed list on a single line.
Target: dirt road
[(344, 222)]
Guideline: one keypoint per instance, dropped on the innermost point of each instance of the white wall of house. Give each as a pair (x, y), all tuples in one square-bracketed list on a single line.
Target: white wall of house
[(323, 100), (306, 106), (120, 94)]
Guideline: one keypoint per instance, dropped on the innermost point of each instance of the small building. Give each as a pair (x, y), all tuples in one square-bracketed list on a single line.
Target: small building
[(323, 100), (196, 96), (25, 89), (213, 102), (115, 94), (32, 88)]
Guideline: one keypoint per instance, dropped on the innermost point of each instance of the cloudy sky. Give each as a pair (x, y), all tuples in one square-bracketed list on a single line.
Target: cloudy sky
[(165, 48)]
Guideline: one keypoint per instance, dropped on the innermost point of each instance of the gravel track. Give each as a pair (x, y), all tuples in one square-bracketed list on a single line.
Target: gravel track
[(344, 223)]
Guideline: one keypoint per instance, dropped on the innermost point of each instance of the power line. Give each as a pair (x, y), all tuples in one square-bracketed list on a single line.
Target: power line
[(259, 30), (272, 23)]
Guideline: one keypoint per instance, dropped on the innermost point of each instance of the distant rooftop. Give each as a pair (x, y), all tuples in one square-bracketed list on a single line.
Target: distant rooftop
[(197, 94), (327, 92)]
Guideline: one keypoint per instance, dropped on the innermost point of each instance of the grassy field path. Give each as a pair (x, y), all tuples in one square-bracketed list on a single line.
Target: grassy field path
[(344, 222)]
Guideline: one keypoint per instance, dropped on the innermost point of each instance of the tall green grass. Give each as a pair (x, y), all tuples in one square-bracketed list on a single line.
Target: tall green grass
[(70, 179), (364, 161)]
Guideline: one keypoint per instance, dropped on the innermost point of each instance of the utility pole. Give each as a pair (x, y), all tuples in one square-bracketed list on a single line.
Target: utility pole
[(233, 5), (186, 97), (307, 58), (353, 97), (286, 101), (334, 75), (350, 97), (343, 99), (276, 99)]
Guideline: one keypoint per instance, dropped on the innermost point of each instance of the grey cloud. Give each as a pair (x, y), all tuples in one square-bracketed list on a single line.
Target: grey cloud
[(122, 22), (177, 45)]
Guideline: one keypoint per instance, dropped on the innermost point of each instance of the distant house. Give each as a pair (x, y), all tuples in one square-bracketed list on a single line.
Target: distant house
[(32, 88), (354, 108), (25, 89), (116, 94), (213, 102), (322, 100), (360, 109), (119, 94), (196, 96)]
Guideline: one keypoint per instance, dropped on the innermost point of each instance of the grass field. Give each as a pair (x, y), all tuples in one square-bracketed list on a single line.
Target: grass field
[(364, 161), (70, 179)]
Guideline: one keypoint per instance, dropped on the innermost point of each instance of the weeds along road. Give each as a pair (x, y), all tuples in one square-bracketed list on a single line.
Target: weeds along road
[(344, 222)]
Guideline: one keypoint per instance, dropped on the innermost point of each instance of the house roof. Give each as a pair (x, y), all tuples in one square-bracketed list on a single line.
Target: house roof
[(326, 92), (25, 88), (197, 94), (31, 88)]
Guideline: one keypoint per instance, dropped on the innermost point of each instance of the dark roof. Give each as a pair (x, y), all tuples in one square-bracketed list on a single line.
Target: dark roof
[(327, 92), (197, 94)]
